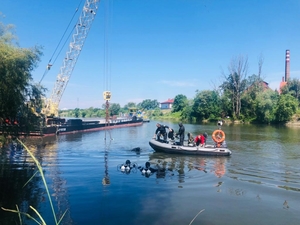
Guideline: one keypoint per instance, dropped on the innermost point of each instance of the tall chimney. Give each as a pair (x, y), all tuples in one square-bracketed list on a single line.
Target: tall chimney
[(287, 65)]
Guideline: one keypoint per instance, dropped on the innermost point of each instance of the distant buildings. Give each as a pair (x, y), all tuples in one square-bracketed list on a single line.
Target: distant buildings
[(167, 104)]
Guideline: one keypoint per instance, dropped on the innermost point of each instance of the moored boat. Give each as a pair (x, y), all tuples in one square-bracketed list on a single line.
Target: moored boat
[(219, 148), (57, 126), (173, 147)]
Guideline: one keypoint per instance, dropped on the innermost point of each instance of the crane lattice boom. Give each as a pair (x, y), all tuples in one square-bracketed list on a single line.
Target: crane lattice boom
[(79, 36)]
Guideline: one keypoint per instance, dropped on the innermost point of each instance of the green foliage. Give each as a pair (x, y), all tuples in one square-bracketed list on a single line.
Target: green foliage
[(20, 100), (156, 113), (76, 112), (293, 88), (180, 102), (90, 112), (206, 105), (287, 106), (83, 114), (7, 33), (251, 97), (129, 105), (186, 113), (114, 109), (149, 104), (234, 86), (265, 106)]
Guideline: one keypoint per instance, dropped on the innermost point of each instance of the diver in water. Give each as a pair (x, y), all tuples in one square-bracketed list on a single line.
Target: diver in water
[(147, 171), (127, 166)]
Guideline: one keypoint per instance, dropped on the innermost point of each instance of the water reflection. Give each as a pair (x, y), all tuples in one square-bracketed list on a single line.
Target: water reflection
[(106, 180), (15, 163), (261, 173), (181, 165), (18, 160)]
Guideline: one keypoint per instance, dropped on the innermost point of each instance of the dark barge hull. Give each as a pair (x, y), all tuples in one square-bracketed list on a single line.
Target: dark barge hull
[(78, 125)]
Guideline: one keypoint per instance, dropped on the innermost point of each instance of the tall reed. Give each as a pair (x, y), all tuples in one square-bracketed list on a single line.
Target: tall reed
[(40, 169)]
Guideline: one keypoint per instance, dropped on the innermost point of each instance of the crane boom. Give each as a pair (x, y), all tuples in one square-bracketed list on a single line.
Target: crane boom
[(79, 36)]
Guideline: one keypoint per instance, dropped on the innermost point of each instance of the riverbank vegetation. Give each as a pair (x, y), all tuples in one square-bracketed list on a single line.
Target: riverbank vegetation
[(238, 97), (20, 97)]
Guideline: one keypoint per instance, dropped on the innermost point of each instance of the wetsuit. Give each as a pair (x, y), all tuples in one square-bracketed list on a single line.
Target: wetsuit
[(181, 133), (161, 130)]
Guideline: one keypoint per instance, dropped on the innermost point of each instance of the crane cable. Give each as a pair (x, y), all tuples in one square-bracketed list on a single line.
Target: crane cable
[(49, 65), (107, 59), (107, 52)]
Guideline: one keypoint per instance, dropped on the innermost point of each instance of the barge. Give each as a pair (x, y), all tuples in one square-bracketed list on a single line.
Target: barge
[(57, 126)]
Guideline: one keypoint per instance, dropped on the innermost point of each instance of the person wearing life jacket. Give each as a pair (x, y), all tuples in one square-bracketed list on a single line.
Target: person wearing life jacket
[(200, 140)]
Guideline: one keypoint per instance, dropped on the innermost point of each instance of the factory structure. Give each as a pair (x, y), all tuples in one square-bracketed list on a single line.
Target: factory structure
[(287, 70)]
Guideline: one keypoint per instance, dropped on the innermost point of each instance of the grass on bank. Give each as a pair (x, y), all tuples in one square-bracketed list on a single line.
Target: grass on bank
[(40, 169)]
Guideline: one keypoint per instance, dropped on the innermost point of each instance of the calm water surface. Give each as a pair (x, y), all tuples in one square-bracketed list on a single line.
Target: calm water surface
[(258, 184)]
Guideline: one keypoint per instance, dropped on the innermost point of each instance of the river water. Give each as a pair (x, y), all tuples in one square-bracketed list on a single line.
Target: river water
[(258, 184)]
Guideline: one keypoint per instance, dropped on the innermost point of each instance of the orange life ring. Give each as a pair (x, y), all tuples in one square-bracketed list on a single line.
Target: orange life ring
[(218, 136)]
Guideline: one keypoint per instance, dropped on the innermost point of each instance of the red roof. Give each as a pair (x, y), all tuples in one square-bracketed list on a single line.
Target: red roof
[(282, 84), (169, 101)]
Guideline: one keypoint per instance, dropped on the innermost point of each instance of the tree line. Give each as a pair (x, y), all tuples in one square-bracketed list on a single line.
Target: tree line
[(238, 97), (19, 95)]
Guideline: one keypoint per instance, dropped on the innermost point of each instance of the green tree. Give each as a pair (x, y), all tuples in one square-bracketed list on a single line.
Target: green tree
[(225, 105), (254, 87), (180, 102), (20, 99), (76, 112), (149, 104), (6, 33), (235, 83), (156, 113), (83, 114), (114, 109), (206, 106), (266, 102), (129, 105), (286, 107), (186, 113), (292, 87)]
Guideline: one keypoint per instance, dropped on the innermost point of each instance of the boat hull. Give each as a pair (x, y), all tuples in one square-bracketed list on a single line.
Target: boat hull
[(88, 127), (188, 150)]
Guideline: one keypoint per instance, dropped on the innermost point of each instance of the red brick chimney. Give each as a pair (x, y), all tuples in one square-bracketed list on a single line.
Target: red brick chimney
[(287, 65)]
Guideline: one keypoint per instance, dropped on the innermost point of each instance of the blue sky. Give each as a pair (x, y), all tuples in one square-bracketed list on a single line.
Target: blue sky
[(160, 48)]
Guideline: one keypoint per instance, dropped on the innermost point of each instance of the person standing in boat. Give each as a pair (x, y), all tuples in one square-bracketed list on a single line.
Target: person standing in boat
[(161, 131), (200, 140), (181, 133)]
